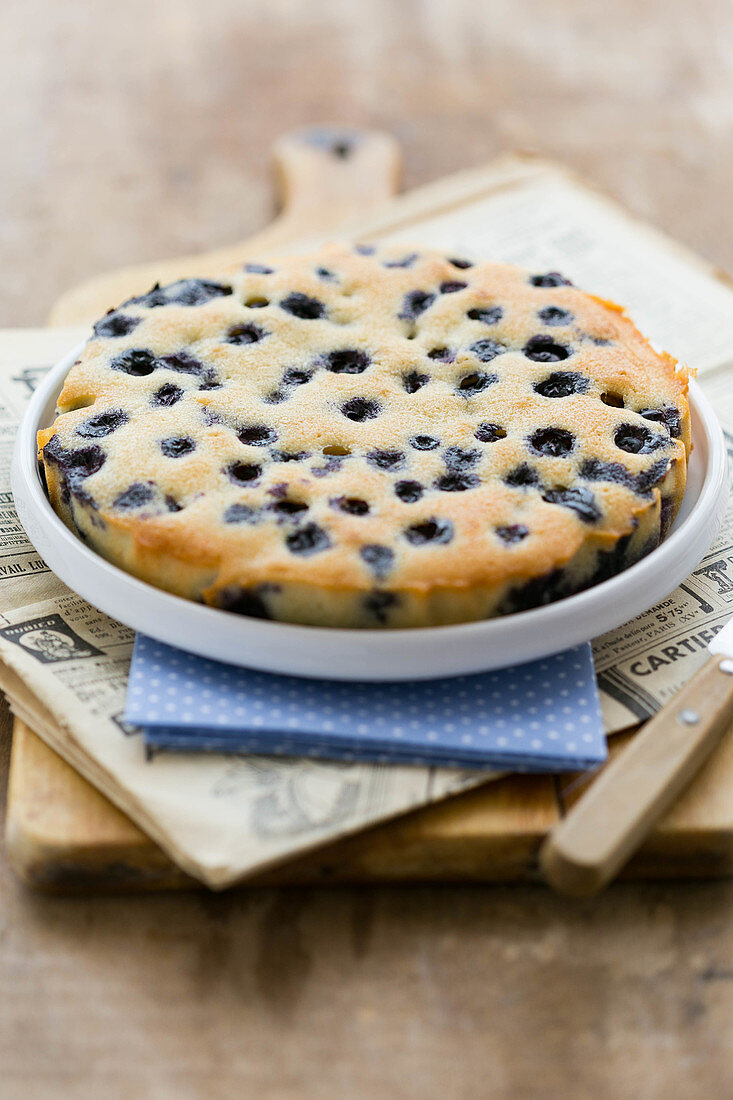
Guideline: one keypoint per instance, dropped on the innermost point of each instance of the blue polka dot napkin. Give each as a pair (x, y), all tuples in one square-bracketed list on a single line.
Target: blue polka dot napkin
[(543, 716)]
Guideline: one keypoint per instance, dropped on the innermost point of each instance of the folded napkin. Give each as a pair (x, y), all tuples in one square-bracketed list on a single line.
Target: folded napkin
[(543, 716)]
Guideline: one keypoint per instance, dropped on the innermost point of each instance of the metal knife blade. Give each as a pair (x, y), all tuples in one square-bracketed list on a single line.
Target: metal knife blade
[(722, 643)]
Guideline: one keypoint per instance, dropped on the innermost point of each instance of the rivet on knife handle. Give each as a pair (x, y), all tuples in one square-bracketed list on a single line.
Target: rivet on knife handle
[(589, 846)]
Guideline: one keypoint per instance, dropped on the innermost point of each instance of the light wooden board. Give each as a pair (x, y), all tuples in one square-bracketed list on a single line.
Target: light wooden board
[(62, 834)]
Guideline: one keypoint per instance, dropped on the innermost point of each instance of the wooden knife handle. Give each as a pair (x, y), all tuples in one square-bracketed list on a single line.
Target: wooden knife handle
[(589, 846)]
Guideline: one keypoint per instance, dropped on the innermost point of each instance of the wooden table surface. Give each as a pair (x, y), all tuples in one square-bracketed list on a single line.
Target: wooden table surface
[(139, 130)]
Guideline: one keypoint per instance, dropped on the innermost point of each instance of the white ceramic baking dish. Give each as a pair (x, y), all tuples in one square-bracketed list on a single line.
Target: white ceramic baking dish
[(411, 654)]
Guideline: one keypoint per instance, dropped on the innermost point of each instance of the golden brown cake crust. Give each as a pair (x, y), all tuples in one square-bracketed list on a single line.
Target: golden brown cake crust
[(367, 437)]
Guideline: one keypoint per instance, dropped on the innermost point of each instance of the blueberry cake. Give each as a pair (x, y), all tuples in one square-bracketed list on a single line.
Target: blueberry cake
[(370, 437)]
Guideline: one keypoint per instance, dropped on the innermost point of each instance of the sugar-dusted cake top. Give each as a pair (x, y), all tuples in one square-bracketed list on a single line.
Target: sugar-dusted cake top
[(381, 429)]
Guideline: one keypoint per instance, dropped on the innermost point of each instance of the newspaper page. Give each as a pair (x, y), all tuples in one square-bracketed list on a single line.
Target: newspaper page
[(64, 668), (542, 219), (65, 663)]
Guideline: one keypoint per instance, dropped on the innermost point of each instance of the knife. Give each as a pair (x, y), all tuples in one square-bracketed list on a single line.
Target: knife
[(605, 827)]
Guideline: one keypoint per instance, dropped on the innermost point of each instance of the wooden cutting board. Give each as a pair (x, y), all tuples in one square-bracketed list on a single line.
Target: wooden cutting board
[(63, 835)]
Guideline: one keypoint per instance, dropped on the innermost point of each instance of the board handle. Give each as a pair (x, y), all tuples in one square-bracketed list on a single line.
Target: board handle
[(326, 176), (588, 847)]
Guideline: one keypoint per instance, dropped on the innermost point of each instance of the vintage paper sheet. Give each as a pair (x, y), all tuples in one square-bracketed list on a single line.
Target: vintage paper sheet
[(64, 668), (541, 218), (64, 664)]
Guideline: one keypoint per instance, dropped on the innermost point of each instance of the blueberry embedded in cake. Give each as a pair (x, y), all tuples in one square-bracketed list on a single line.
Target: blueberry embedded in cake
[(370, 437)]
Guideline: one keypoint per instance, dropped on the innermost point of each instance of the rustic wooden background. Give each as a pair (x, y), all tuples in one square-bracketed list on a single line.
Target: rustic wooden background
[(142, 129)]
